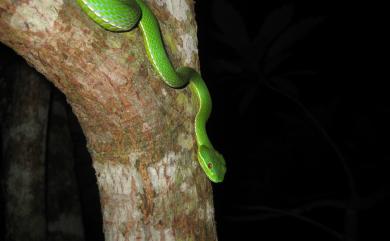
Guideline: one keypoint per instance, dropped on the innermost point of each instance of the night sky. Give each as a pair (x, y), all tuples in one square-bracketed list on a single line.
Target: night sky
[(300, 113)]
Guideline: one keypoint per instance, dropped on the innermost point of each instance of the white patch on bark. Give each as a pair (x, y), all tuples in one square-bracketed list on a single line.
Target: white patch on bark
[(188, 48), (117, 178), (183, 187), (158, 234), (168, 235), (121, 188), (185, 141), (189, 191), (177, 8), (164, 92), (134, 156), (146, 127), (155, 234), (163, 173), (36, 17), (209, 212), (153, 177)]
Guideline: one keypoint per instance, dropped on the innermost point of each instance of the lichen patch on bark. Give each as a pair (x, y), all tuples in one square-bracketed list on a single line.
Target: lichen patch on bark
[(186, 141), (35, 22), (162, 174), (209, 211), (182, 100), (121, 191), (177, 8), (188, 48), (118, 178), (168, 235)]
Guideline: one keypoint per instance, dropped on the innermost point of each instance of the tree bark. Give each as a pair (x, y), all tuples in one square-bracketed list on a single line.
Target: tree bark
[(63, 211), (24, 145), (139, 132)]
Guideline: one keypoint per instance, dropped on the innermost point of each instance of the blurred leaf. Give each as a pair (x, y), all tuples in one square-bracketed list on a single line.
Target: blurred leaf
[(300, 72), (248, 97), (273, 63), (231, 25), (273, 25), (291, 118), (224, 65), (293, 34), (285, 86)]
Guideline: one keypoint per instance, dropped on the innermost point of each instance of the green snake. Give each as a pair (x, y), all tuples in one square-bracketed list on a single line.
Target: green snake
[(124, 15)]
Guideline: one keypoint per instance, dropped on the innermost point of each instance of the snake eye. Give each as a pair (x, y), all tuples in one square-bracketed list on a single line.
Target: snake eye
[(210, 165)]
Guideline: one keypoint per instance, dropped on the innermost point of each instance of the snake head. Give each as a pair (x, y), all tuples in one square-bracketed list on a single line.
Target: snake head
[(212, 163)]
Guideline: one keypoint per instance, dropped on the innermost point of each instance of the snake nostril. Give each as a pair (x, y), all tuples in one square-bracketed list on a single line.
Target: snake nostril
[(210, 165)]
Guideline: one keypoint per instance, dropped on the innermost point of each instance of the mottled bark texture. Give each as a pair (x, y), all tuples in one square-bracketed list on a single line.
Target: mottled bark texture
[(139, 132), (24, 144)]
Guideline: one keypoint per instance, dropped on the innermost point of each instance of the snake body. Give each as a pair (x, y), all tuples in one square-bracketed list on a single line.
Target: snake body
[(124, 15)]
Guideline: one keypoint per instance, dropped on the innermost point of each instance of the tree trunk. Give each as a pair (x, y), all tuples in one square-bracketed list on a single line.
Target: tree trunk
[(24, 145), (139, 132), (62, 223)]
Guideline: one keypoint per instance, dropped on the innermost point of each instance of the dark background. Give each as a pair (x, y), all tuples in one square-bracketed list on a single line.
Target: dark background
[(300, 113)]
